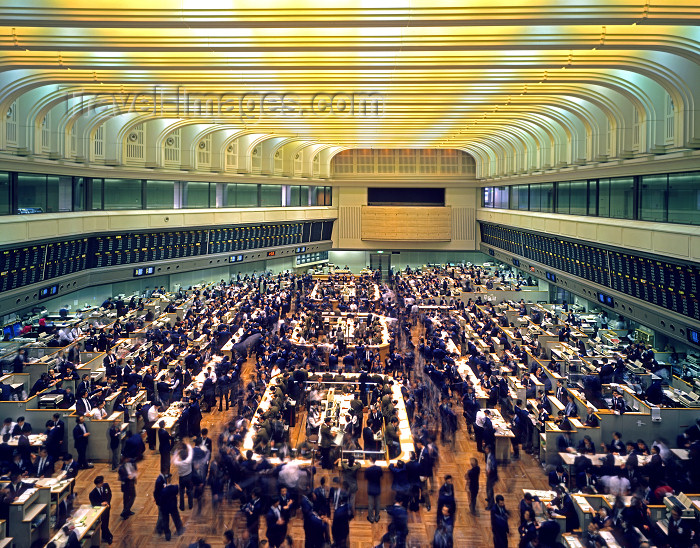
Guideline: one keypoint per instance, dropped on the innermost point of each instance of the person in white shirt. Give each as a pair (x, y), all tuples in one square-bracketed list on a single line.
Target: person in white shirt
[(98, 412), (618, 485), (182, 460), (76, 332), (7, 427), (64, 336), (212, 374), (313, 420), (479, 429)]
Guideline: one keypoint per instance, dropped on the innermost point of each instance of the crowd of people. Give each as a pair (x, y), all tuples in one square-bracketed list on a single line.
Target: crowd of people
[(182, 363)]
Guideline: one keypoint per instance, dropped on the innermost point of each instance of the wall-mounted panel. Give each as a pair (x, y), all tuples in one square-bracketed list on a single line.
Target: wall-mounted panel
[(25, 265), (407, 223), (654, 279)]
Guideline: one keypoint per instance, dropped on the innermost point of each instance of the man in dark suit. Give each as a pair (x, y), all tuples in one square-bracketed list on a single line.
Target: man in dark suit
[(80, 439), (321, 500), (399, 522), (115, 438), (499, 523), (557, 477), (252, 510), (15, 488), (341, 525), (373, 475), (489, 432), (58, 423), (70, 466), (567, 509), (491, 475), (20, 427), (54, 440), (101, 495), (84, 385), (561, 392), (127, 476), (326, 444), (591, 418), (276, 525), (83, 404), (618, 403), (337, 495), (167, 503), (43, 464), (165, 445)]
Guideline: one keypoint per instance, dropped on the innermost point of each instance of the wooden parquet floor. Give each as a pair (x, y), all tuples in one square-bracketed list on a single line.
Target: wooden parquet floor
[(470, 531)]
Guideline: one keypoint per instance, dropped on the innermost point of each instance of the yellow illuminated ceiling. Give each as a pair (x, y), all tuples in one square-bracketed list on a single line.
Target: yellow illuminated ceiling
[(520, 85)]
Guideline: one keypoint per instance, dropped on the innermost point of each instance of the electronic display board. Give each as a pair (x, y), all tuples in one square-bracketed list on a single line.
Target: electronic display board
[(657, 281), (31, 264)]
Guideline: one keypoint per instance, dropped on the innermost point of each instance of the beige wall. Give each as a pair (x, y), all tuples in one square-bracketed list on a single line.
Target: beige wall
[(18, 228), (672, 241), (347, 232)]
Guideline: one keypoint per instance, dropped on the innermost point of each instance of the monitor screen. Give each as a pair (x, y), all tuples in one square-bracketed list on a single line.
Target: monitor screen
[(53, 290), (44, 292), (7, 332), (694, 336), (17, 329)]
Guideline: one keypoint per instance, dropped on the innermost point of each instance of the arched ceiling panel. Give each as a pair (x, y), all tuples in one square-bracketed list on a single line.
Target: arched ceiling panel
[(490, 79)]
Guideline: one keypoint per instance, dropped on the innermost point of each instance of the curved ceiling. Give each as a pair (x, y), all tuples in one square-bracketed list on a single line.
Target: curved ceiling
[(522, 86)]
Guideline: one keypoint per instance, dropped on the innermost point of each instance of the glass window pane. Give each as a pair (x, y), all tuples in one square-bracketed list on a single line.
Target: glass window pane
[(230, 195), (78, 193), (52, 194), (487, 197), (160, 194), (652, 198), (59, 193), (323, 195), (513, 202), (684, 198), (304, 196), (593, 197), (547, 197), (578, 197), (523, 197), (622, 198), (604, 197), (31, 191), (295, 196), (270, 195), (96, 192), (197, 195), (4, 193), (212, 195), (247, 195), (563, 197), (535, 197), (122, 193), (500, 198)]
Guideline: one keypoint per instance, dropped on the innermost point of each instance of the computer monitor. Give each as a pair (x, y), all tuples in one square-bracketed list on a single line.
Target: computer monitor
[(17, 329), (7, 332)]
